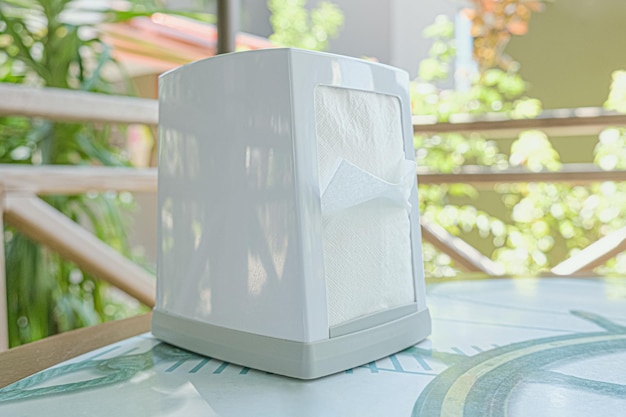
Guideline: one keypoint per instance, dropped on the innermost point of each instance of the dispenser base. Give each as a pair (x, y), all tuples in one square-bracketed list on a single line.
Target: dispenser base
[(286, 357)]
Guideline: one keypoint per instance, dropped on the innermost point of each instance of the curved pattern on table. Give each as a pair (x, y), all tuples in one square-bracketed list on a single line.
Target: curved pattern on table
[(113, 370), (480, 386)]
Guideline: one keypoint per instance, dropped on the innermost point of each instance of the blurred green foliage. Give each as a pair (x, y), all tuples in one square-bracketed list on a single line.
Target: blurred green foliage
[(617, 95), (297, 27), (540, 224), (40, 45)]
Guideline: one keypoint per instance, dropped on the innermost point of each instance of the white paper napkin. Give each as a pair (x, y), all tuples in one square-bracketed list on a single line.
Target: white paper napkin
[(365, 181)]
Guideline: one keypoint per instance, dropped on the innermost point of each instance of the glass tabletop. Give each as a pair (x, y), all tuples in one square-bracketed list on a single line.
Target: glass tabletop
[(500, 347)]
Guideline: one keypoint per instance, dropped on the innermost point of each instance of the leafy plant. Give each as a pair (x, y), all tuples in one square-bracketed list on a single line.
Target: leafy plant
[(493, 24), (617, 93), (295, 26), (41, 46), (538, 224), (610, 153)]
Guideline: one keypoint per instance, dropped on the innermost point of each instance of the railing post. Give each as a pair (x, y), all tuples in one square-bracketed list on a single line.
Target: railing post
[(4, 304), (227, 25), (44, 224)]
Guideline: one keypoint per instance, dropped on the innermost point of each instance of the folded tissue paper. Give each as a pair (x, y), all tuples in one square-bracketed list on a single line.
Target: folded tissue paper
[(289, 236)]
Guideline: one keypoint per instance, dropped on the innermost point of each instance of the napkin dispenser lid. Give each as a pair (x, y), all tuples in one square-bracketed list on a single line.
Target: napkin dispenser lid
[(254, 195)]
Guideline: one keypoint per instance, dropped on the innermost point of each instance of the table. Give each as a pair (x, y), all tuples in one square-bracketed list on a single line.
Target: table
[(28, 359), (515, 347)]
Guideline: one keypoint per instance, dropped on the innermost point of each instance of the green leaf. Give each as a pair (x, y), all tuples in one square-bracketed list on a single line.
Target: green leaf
[(617, 93), (431, 69)]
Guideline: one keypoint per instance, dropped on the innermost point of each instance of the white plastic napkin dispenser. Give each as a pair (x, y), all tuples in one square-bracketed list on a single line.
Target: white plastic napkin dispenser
[(289, 236)]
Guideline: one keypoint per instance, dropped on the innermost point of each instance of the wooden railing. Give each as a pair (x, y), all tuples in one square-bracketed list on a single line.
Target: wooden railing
[(21, 185), (559, 122), (69, 105), (562, 122)]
